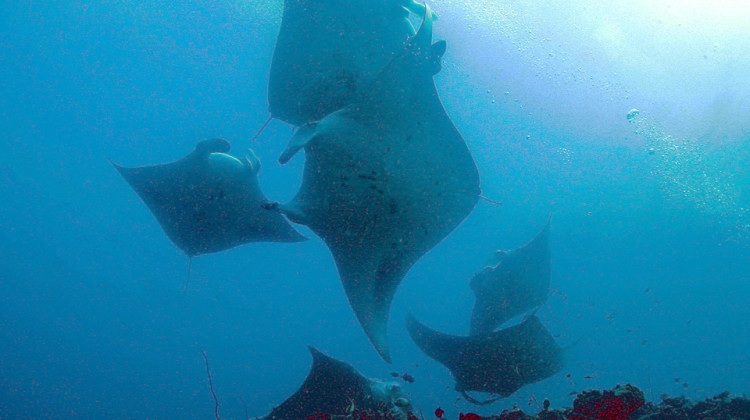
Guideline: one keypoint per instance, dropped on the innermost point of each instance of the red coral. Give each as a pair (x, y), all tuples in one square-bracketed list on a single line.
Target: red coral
[(617, 404)]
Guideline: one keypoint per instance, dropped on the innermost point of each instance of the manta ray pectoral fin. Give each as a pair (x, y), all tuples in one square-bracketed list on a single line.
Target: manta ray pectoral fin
[(118, 167), (303, 135), (436, 345), (373, 316), (128, 174)]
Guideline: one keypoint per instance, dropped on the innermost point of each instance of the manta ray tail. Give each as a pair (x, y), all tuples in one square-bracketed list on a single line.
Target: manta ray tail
[(262, 128)]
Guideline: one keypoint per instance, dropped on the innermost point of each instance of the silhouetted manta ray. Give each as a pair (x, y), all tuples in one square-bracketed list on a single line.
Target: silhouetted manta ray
[(500, 362), (209, 201), (385, 180), (518, 280), (327, 48), (333, 386)]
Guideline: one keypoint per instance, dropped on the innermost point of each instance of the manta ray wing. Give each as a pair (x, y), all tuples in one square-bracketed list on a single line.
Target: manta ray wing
[(330, 387), (500, 362), (208, 201), (385, 180), (326, 49), (518, 282)]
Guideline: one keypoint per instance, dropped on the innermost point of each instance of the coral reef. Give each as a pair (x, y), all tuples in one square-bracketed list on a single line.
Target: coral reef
[(626, 402)]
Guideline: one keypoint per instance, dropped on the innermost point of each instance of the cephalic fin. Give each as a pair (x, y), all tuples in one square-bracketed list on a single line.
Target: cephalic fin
[(415, 7), (206, 147), (300, 138), (252, 162)]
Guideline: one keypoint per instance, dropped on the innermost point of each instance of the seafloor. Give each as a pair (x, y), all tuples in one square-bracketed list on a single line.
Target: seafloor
[(624, 402), (627, 402)]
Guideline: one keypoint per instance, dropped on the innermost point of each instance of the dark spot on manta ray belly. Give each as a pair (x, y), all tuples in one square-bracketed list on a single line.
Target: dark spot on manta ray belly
[(393, 208), (217, 194), (385, 268)]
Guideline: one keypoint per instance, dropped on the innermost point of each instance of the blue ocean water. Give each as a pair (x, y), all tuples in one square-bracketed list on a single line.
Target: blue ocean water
[(650, 224)]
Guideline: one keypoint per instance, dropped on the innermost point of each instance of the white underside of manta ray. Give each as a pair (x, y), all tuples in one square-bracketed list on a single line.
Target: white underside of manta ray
[(385, 180)]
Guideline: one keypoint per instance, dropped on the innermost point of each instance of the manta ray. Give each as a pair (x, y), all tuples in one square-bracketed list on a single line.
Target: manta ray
[(385, 180), (209, 201), (500, 362), (326, 49), (515, 282), (335, 388)]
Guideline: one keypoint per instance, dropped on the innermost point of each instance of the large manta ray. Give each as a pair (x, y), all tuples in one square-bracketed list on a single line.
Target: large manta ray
[(209, 201), (327, 48), (333, 388), (500, 362), (385, 180), (518, 280)]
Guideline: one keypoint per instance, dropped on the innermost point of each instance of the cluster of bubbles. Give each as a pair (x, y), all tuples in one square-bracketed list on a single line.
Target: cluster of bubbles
[(687, 177)]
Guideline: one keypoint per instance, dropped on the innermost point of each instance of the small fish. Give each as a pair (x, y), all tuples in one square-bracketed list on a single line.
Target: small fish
[(407, 378), (567, 375), (395, 374), (588, 377), (439, 413)]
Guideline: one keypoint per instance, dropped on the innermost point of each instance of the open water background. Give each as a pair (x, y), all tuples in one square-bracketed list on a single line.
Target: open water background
[(650, 230)]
